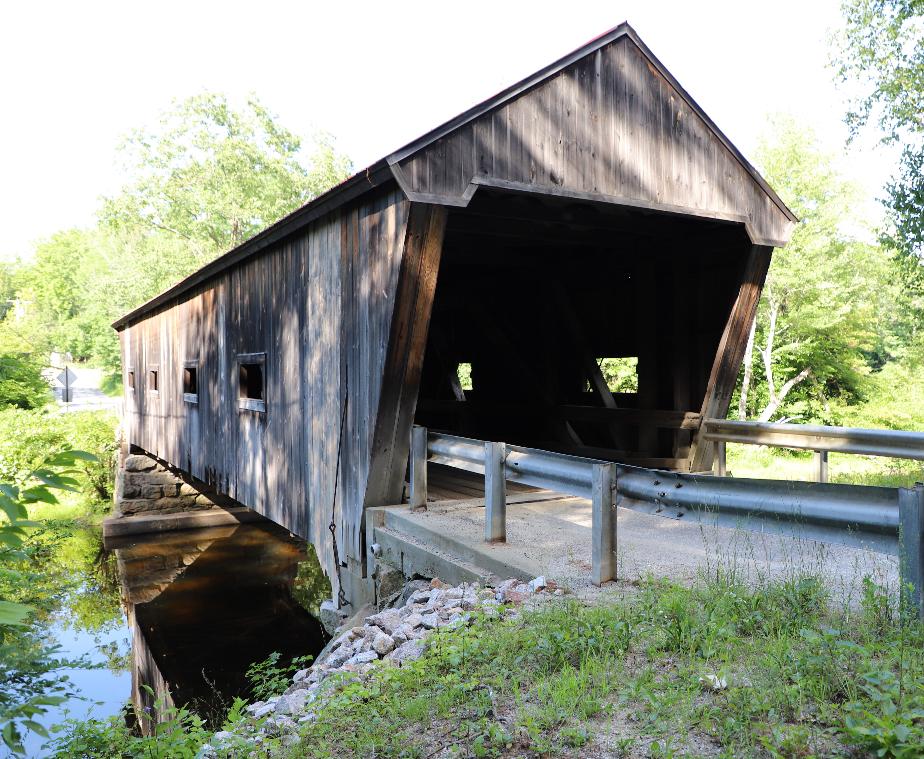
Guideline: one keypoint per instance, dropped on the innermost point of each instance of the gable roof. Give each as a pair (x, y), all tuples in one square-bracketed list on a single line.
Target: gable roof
[(389, 169), (524, 85)]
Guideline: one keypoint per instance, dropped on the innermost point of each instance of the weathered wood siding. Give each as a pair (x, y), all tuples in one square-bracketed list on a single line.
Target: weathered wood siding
[(339, 295), (319, 305), (609, 126)]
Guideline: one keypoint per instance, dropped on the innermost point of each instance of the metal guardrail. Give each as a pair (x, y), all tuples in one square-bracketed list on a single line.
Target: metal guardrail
[(823, 440), (500, 462), (885, 520)]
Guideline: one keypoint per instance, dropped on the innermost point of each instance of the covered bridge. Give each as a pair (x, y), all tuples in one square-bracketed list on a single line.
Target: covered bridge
[(589, 211)]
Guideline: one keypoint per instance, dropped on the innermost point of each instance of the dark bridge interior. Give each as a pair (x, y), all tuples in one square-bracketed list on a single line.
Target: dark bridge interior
[(535, 293)]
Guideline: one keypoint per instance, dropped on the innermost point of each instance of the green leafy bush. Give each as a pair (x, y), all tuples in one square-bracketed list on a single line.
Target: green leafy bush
[(269, 678), (29, 668), (21, 382), (890, 722), (27, 437)]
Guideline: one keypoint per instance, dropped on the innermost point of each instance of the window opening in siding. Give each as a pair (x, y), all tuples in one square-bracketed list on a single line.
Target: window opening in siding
[(621, 374), (130, 379), (153, 381), (251, 381), (464, 372), (191, 382)]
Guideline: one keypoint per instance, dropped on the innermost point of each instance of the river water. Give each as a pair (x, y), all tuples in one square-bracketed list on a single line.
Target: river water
[(177, 618)]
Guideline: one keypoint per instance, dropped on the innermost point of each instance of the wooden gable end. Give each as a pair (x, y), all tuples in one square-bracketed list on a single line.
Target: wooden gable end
[(611, 126)]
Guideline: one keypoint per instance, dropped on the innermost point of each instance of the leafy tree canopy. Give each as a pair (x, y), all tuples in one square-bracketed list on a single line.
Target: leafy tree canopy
[(828, 314), (202, 180), (880, 59), (214, 176), (21, 382)]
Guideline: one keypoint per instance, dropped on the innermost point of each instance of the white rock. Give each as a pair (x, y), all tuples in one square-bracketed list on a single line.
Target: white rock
[(537, 583), (363, 658), (297, 700), (409, 651), (414, 620), (387, 620), (458, 620), (264, 710), (302, 674), (282, 706), (714, 682), (430, 621), (340, 655), (383, 644), (505, 587), (418, 597)]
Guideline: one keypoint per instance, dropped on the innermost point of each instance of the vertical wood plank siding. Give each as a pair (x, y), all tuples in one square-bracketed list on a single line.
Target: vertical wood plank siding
[(319, 305), (616, 128), (337, 297)]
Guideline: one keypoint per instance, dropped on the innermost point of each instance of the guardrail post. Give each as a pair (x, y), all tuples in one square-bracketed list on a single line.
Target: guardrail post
[(495, 492), (718, 464), (911, 545), (821, 466), (603, 524), (418, 497)]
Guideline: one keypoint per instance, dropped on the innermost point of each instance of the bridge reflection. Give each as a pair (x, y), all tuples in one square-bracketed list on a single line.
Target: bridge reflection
[(205, 604)]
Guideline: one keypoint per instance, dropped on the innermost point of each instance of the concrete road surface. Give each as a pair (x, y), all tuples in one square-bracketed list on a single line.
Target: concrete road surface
[(86, 394)]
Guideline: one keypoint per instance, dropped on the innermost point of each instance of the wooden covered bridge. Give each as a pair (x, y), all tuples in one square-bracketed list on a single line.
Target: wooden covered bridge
[(589, 211)]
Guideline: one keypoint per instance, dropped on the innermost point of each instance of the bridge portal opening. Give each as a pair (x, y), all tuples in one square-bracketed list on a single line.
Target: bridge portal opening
[(576, 326)]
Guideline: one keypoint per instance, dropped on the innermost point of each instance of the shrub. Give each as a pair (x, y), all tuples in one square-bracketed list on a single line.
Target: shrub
[(27, 437), (21, 382)]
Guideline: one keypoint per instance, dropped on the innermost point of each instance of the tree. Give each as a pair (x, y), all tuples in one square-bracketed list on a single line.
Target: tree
[(213, 176), (21, 381), (825, 315), (880, 60), (203, 179)]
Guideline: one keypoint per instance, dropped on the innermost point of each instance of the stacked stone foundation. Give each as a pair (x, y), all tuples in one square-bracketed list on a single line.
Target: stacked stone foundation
[(146, 485)]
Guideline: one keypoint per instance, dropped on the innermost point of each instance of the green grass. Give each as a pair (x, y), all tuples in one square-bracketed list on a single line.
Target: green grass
[(111, 383), (776, 464), (626, 678), (78, 508)]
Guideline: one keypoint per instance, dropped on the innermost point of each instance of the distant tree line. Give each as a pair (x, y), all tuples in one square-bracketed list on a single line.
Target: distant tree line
[(838, 336), (200, 181)]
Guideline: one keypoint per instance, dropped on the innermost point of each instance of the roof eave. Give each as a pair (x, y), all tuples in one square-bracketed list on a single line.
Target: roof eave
[(373, 176)]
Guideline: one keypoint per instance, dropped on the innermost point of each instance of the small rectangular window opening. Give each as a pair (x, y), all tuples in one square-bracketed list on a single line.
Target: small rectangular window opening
[(464, 372), (251, 381), (621, 374), (152, 381), (190, 380), (130, 379)]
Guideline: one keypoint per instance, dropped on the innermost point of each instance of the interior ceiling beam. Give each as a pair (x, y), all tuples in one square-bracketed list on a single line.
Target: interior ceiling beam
[(590, 216), (537, 233), (539, 237)]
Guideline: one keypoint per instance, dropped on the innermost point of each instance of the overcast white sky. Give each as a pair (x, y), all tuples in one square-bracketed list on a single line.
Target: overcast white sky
[(78, 76)]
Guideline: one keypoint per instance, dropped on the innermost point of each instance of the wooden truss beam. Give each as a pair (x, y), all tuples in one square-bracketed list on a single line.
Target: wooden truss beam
[(730, 353)]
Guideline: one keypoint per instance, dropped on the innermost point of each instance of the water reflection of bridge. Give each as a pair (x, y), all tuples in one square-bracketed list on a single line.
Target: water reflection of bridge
[(205, 604)]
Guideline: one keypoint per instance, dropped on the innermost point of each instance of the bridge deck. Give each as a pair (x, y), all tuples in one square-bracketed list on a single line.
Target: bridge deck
[(550, 534)]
